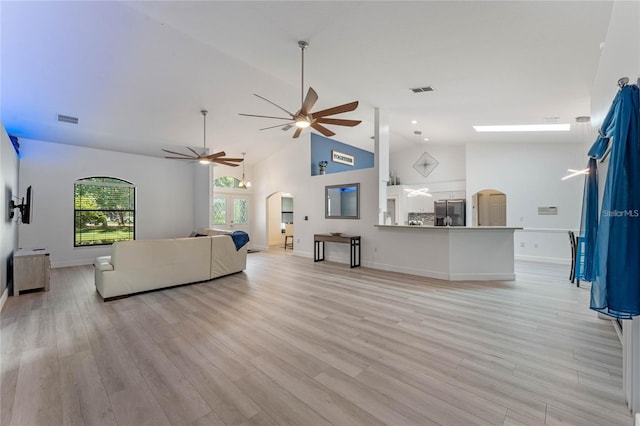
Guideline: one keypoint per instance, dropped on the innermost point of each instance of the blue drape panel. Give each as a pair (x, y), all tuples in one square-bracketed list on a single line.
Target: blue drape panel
[(589, 223), (615, 288)]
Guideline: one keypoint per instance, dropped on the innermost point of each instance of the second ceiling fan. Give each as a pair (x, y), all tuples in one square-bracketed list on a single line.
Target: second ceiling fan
[(304, 117), (204, 157)]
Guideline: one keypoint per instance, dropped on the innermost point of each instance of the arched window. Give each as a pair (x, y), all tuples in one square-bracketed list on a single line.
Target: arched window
[(227, 182), (104, 211)]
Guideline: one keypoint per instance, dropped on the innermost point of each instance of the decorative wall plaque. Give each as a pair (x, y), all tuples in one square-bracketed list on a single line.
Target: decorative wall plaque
[(425, 164)]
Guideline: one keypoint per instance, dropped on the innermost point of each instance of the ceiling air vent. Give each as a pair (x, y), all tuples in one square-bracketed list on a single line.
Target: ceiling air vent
[(67, 119), (422, 89)]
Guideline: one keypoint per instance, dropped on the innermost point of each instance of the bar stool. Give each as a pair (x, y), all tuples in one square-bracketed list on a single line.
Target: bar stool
[(288, 234), (573, 240)]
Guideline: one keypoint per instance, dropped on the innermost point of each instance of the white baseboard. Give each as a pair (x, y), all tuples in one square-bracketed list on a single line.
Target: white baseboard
[(67, 263), (616, 326), (484, 276), (4, 297), (540, 259), (419, 272), (407, 270)]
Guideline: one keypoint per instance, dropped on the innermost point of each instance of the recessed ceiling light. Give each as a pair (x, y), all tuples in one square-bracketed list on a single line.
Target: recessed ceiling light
[(524, 128), (414, 121), (426, 139)]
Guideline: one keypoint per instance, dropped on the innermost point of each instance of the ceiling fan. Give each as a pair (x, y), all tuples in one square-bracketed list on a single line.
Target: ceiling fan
[(304, 117), (218, 157)]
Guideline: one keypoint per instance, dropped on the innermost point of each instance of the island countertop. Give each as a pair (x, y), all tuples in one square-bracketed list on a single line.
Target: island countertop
[(451, 228), (454, 253)]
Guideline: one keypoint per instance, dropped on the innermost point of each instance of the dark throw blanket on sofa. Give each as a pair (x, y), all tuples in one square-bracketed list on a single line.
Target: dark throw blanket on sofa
[(240, 238)]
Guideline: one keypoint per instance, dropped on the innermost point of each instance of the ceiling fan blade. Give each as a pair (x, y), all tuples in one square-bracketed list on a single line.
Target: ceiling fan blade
[(338, 121), (216, 155), (224, 163), (195, 153), (232, 160), (182, 158), (274, 104), (265, 116), (287, 127), (322, 129), (309, 101), (277, 125), (176, 153), (336, 110), (297, 133)]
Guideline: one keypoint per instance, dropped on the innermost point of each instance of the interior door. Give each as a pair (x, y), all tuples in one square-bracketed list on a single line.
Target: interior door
[(230, 211), (498, 210)]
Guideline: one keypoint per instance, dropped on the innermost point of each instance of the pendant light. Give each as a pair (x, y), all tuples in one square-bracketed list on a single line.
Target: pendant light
[(243, 182)]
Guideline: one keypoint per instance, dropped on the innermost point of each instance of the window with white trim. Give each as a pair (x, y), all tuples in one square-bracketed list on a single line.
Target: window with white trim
[(104, 211)]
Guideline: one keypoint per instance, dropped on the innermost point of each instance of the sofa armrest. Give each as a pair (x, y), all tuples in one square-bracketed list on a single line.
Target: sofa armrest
[(103, 263)]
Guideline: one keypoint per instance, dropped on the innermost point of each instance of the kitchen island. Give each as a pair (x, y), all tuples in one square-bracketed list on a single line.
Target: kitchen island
[(454, 253)]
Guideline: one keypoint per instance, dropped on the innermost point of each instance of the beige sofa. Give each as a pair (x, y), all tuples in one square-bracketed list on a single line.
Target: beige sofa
[(142, 265)]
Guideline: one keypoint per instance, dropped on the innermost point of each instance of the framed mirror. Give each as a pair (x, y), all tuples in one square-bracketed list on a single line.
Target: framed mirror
[(342, 201)]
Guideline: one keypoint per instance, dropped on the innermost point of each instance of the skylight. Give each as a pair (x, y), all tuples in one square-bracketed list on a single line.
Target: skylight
[(524, 128)]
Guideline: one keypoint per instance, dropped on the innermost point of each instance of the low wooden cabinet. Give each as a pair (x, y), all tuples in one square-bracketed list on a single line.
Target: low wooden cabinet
[(30, 270)]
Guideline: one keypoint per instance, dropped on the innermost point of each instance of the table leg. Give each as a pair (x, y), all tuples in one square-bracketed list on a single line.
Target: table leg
[(318, 251), (355, 247)]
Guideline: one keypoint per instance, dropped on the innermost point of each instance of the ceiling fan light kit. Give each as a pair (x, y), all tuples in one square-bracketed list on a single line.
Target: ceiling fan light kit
[(304, 117), (204, 158)]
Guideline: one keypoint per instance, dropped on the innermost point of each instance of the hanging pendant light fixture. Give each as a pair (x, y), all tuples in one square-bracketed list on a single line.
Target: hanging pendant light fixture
[(243, 182)]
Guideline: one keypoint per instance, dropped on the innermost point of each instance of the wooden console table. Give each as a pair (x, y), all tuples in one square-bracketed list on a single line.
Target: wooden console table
[(352, 240), (30, 270)]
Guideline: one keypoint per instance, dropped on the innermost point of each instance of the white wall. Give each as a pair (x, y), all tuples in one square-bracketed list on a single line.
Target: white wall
[(288, 171), (164, 204), (285, 171), (530, 175), (201, 189), (451, 163), (9, 228)]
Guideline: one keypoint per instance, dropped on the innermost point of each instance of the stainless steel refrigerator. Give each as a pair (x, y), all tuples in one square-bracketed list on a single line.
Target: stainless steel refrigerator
[(450, 213)]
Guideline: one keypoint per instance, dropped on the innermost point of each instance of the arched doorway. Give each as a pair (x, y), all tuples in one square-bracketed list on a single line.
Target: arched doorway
[(280, 220), (489, 208)]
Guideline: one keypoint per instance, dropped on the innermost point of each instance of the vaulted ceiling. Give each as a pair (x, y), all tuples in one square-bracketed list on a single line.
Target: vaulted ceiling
[(137, 74)]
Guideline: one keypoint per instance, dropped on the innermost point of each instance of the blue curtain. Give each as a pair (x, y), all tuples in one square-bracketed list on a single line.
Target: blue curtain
[(589, 223), (615, 283)]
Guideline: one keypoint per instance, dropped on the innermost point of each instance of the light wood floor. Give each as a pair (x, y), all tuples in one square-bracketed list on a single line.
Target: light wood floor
[(295, 342)]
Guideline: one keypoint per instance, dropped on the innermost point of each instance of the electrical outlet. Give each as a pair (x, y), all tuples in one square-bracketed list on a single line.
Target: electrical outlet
[(522, 244)]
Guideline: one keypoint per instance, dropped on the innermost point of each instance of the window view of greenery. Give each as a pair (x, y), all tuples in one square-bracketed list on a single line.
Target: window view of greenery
[(104, 211), (227, 182), (240, 211), (219, 211)]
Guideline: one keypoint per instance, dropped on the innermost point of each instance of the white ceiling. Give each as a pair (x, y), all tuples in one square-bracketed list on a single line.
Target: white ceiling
[(138, 73)]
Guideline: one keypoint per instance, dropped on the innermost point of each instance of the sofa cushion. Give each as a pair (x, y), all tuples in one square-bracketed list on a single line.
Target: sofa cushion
[(225, 259), (192, 258), (144, 264)]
